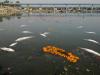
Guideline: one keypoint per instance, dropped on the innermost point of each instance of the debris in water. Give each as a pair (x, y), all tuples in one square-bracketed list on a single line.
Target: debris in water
[(23, 38), (60, 52), (7, 49), (91, 51)]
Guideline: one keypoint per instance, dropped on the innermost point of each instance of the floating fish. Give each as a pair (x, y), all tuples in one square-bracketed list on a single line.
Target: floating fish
[(80, 27), (65, 68), (13, 44), (26, 32), (7, 49), (23, 25), (91, 51), (44, 34), (90, 40), (88, 70), (23, 38), (90, 32)]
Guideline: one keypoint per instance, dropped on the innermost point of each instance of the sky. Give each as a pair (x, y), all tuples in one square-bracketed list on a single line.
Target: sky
[(57, 1)]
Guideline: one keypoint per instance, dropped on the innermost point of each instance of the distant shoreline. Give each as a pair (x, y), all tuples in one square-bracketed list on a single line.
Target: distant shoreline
[(8, 10)]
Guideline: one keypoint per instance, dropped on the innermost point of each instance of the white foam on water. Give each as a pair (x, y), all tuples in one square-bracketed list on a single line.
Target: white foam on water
[(7, 49), (23, 38), (13, 44), (90, 51)]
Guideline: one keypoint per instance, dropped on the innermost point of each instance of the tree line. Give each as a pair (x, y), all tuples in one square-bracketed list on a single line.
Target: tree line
[(7, 1)]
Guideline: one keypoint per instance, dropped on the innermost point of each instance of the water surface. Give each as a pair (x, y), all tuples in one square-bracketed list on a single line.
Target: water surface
[(65, 32)]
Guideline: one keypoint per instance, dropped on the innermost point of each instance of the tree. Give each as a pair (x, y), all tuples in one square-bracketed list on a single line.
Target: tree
[(6, 1), (17, 1)]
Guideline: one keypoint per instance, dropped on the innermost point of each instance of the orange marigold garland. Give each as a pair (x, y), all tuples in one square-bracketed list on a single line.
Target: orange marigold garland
[(60, 52)]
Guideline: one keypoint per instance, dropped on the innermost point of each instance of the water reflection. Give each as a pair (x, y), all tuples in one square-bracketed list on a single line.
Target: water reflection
[(18, 16), (1, 19)]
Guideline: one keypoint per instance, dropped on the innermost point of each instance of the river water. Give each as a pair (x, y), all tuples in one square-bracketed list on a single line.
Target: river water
[(66, 32)]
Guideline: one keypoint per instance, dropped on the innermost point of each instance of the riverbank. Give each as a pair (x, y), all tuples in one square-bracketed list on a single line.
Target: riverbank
[(8, 10)]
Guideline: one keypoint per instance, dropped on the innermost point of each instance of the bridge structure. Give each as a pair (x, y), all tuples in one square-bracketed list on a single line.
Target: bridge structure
[(56, 8), (50, 4)]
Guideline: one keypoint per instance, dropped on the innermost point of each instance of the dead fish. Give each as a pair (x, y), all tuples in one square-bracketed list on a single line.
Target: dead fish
[(26, 32), (65, 68), (90, 51), (90, 40), (13, 44), (23, 25), (88, 70), (80, 27), (7, 49), (23, 38), (44, 34), (90, 32)]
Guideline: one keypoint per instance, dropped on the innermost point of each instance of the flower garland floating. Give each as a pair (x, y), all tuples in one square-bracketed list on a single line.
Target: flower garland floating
[(60, 52)]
